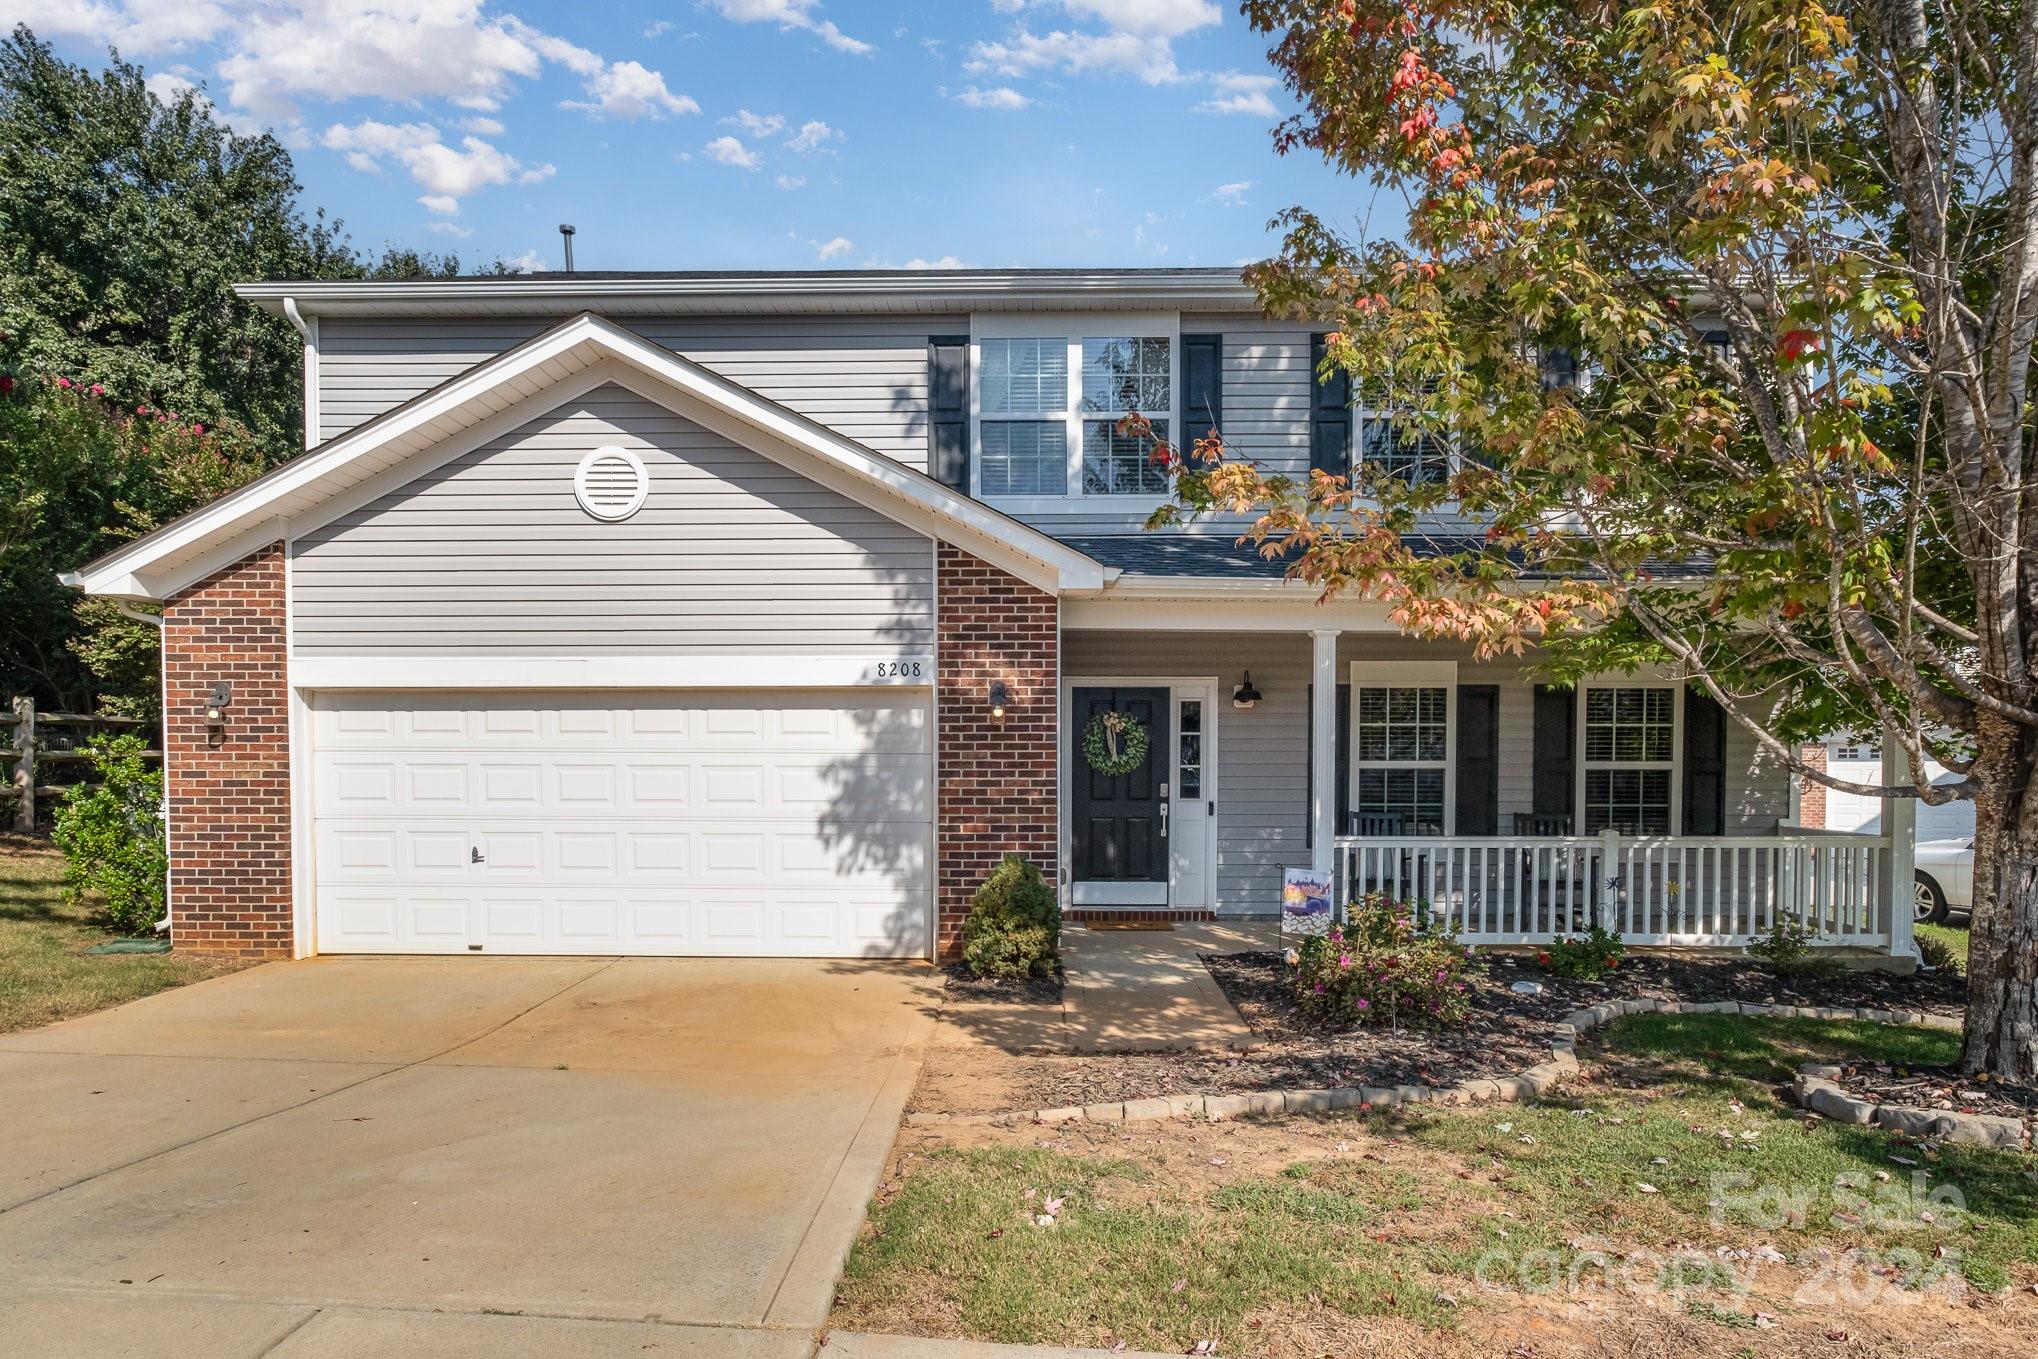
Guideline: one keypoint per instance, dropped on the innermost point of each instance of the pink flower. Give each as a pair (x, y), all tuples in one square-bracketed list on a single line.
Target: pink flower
[(64, 383), (98, 390), (141, 410), (198, 429), (1319, 988), (1344, 960), (1365, 1004)]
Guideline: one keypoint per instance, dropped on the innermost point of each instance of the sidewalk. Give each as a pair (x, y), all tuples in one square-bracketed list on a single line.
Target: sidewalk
[(1146, 990)]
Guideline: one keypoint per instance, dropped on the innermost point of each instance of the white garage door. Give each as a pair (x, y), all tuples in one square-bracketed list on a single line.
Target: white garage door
[(754, 823)]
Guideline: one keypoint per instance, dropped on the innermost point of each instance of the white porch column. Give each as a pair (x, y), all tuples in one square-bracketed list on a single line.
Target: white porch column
[(1900, 825), (1323, 748)]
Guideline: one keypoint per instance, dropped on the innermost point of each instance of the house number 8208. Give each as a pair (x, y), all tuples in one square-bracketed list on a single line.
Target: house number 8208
[(899, 669)]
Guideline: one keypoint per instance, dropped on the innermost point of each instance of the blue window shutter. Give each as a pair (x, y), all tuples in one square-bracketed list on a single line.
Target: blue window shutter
[(948, 410), (1202, 389), (1330, 416)]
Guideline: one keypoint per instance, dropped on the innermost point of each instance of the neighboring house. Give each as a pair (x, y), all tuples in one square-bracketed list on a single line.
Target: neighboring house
[(760, 614)]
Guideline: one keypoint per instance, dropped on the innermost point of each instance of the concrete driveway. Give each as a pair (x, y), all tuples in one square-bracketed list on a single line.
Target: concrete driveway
[(491, 1156)]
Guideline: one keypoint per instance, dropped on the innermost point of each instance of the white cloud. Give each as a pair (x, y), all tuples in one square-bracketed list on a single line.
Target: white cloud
[(757, 124), (730, 151), (168, 85), (480, 127), (792, 182), (1235, 92), (945, 262), (659, 29), (530, 262), (791, 14), (1003, 98), (446, 174), (629, 90), (1147, 56), (812, 136), (828, 250), (272, 53), (1232, 194), (450, 229)]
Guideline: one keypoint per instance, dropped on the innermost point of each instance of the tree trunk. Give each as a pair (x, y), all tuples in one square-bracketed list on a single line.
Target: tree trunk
[(2002, 968)]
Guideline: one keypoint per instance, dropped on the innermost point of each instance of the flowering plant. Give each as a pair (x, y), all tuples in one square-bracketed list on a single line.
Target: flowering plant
[(1588, 956), (1384, 964)]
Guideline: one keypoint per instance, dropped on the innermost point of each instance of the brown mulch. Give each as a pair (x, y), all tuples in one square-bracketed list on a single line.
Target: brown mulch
[(1932, 1087), (1508, 1032), (962, 984)]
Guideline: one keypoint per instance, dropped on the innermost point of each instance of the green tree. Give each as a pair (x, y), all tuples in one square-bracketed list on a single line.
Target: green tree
[(125, 221), (1724, 312)]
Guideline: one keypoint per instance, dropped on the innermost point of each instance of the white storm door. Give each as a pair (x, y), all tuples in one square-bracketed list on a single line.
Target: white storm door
[(1192, 793)]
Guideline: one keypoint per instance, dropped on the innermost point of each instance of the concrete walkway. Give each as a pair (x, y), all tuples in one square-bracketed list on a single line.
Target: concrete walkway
[(485, 1156), (1147, 990)]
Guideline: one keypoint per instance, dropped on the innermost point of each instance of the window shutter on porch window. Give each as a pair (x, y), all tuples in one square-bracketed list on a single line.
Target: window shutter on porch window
[(1343, 763), (1330, 416), (1478, 759), (1554, 788), (1705, 765), (1202, 389), (948, 410)]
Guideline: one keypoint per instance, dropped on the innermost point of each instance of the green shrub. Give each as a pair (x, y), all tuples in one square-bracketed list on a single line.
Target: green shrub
[(1383, 966), (1788, 948), (1013, 928), (1934, 951), (112, 837), (1585, 957)]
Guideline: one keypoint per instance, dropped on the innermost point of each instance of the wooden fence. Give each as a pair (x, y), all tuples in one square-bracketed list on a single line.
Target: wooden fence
[(44, 753)]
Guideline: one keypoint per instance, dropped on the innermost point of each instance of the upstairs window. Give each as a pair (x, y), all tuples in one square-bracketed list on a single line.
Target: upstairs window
[(1024, 430), (1049, 403), (1393, 442)]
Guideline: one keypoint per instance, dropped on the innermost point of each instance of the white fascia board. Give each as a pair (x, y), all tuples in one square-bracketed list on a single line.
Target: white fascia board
[(160, 564), (1116, 612), (486, 671)]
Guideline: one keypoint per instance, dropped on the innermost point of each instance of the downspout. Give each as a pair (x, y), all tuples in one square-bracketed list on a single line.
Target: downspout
[(309, 331)]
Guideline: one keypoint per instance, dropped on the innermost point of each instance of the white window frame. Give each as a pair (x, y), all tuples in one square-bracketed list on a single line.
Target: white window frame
[(1364, 413), (1409, 675), (1072, 328), (1675, 764)]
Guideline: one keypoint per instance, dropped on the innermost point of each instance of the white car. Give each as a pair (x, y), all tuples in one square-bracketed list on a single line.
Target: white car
[(1945, 878)]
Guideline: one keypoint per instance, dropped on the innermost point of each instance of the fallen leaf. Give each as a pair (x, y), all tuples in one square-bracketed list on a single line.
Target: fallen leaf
[(1646, 1187)]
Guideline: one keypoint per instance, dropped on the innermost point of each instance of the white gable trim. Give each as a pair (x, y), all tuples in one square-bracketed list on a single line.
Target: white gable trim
[(524, 382)]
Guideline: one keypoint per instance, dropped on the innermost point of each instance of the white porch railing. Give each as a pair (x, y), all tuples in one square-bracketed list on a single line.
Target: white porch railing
[(1651, 889)]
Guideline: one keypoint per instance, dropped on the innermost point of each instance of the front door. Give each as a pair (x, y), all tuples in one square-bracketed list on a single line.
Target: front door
[(1119, 822)]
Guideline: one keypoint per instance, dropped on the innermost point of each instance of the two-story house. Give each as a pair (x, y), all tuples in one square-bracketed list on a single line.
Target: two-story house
[(711, 613)]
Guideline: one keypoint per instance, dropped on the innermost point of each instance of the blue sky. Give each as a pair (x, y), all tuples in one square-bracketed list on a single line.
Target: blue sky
[(752, 133)]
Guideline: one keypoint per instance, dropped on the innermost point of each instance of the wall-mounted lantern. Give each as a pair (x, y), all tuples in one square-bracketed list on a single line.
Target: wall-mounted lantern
[(1245, 696), (216, 704), (1000, 698)]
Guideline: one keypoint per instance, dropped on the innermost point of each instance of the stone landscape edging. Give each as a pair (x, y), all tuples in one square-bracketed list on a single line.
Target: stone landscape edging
[(1818, 1090), (1536, 1080)]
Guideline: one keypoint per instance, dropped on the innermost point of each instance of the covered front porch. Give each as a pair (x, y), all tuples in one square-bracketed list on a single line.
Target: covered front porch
[(1286, 734)]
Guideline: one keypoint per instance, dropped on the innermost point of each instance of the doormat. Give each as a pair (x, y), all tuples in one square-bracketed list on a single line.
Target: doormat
[(1129, 924)]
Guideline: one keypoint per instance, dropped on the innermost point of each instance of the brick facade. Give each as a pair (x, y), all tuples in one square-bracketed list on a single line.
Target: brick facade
[(1811, 795), (229, 786), (997, 779)]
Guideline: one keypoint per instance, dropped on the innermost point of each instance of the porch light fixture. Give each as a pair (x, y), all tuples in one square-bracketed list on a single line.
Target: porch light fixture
[(1245, 696), (1000, 696), (216, 704)]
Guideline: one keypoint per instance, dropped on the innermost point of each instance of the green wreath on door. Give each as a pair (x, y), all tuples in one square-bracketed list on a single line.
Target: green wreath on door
[(1114, 743)]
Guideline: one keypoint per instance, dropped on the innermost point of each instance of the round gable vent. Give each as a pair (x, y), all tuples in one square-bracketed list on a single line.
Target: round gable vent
[(611, 483)]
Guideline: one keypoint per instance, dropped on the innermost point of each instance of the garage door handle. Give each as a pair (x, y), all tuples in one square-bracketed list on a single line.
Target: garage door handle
[(474, 856)]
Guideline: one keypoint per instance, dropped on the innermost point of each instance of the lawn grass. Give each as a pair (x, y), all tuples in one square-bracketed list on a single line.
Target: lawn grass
[(1954, 939), (45, 973), (1679, 1146)]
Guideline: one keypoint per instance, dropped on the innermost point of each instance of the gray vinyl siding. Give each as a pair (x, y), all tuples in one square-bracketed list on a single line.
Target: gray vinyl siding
[(1262, 753), (1262, 778), (863, 377), (490, 553)]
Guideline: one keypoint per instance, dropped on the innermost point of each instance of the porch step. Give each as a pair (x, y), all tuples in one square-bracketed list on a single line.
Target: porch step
[(1132, 916)]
